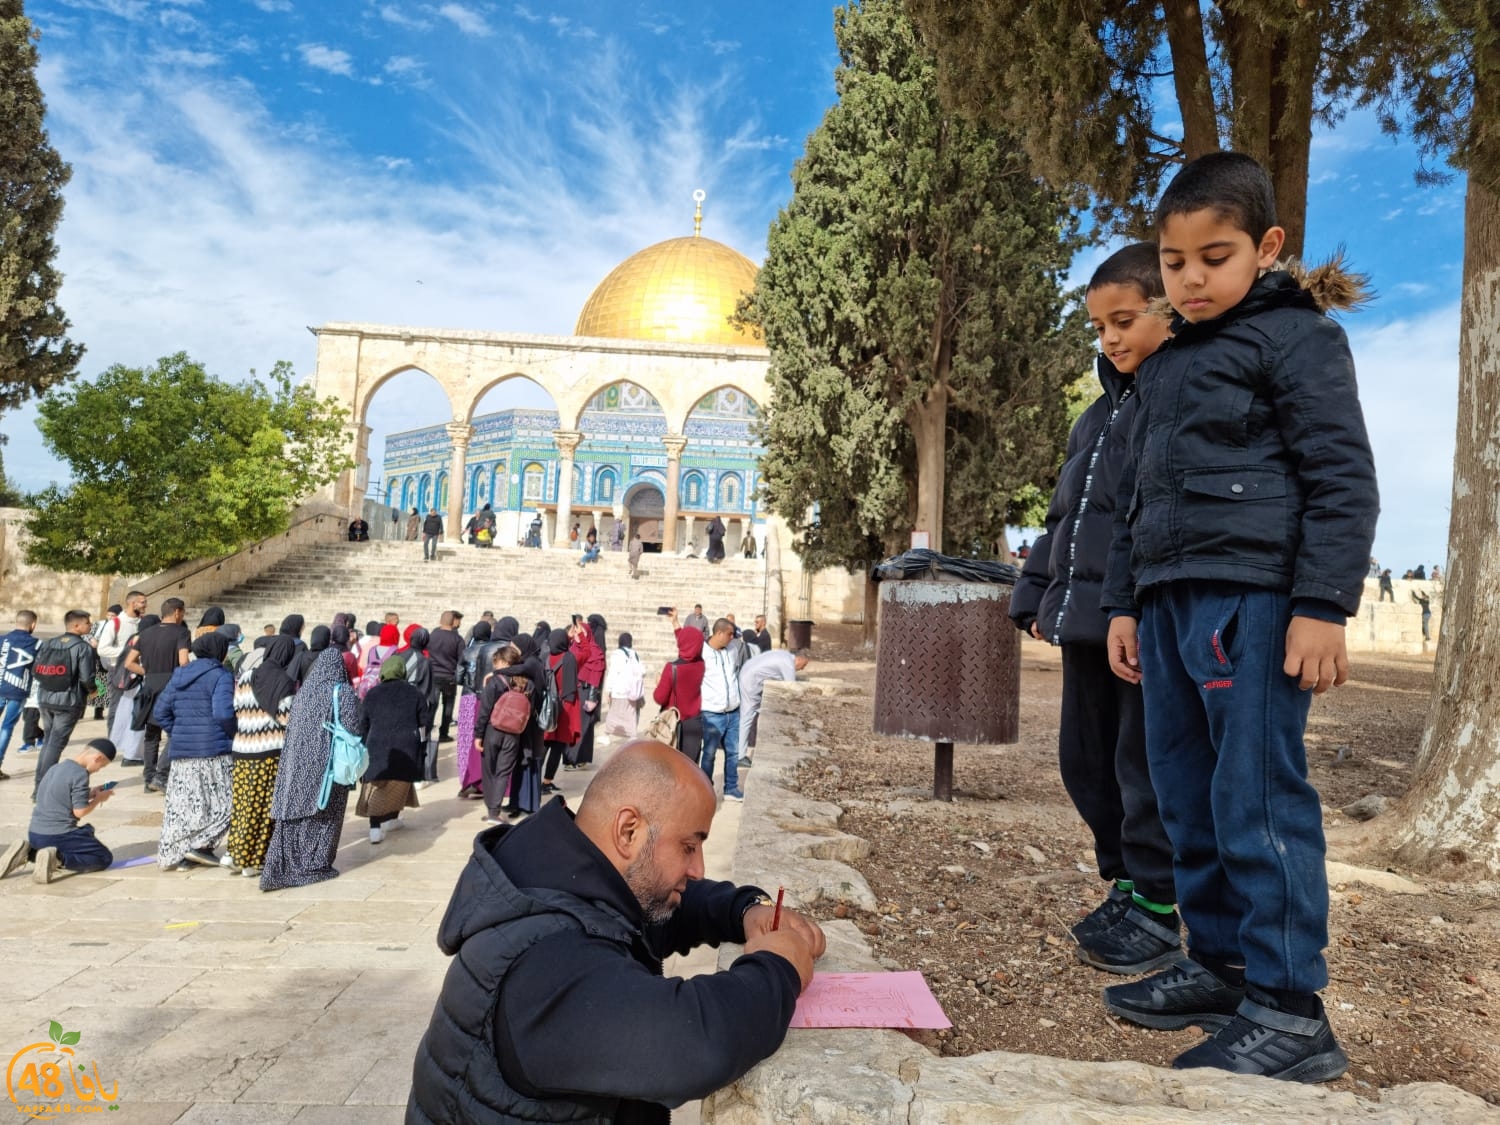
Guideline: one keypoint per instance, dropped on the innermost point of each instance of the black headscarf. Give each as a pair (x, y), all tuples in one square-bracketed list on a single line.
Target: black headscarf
[(531, 665), (627, 641), (269, 681), (597, 625), (213, 615), (211, 646), (231, 633), (338, 636), (480, 634), (372, 628), (505, 631), (319, 641), (149, 621), (417, 642), (292, 626), (557, 641), (543, 634)]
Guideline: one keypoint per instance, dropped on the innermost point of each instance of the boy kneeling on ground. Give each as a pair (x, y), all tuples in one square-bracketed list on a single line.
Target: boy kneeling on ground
[(55, 837)]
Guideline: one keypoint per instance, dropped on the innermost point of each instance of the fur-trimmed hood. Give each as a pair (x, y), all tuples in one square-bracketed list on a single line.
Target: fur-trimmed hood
[(1331, 285)]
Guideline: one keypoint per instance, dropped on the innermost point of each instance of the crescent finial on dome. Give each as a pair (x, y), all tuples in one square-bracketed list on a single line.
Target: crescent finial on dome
[(698, 197)]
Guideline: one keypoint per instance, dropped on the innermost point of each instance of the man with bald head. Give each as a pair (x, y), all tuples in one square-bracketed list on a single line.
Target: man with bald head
[(554, 1007)]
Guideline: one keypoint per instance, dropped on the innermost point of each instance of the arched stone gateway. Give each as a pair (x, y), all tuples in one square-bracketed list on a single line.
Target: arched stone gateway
[(645, 510), (658, 322)]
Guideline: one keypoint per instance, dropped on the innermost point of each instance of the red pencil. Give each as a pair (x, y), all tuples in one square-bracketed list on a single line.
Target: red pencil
[(776, 918)]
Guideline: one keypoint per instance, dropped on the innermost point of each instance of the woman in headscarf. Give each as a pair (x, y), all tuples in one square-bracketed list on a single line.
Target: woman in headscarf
[(681, 686), (397, 714), (625, 683), (526, 777), (500, 750), (474, 667), (588, 650), (389, 641), (212, 618), (130, 743), (542, 634), (197, 709), (291, 626), (316, 643), (306, 838), (236, 655), (419, 675), (262, 705), (564, 668)]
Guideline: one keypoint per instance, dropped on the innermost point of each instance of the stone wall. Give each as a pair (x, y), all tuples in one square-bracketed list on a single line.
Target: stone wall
[(1396, 626), (47, 592), (867, 1076)]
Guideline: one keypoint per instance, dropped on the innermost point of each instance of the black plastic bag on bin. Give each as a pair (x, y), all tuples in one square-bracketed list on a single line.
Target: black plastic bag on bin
[(920, 562)]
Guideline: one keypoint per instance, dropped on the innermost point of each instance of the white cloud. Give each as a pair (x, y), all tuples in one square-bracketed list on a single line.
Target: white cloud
[(327, 58), (181, 56), (722, 46), (394, 15), (273, 6), (393, 163), (465, 19), (525, 13), (404, 66)]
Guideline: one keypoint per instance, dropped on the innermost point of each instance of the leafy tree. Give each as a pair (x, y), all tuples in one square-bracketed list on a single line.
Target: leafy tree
[(170, 464), (1078, 81), (35, 352), (10, 496), (912, 302)]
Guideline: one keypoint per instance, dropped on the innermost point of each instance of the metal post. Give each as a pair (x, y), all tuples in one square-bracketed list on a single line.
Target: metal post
[(942, 771)]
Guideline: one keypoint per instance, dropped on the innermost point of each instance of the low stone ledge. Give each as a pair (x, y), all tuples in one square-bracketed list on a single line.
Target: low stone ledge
[(843, 1077)]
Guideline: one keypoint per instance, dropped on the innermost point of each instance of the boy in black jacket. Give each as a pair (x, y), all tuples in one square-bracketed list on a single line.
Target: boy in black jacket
[(1241, 541), (1102, 730)]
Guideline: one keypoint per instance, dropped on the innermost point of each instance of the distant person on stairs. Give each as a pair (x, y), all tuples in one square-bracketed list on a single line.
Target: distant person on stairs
[(359, 530), (432, 531), (636, 549), (413, 525), (715, 552)]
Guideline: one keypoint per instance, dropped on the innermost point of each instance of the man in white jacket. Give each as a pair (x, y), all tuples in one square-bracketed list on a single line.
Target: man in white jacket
[(113, 638), (721, 706)]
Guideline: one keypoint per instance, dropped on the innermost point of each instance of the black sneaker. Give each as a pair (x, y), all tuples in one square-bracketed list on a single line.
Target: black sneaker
[(1184, 995), (1101, 918), (1271, 1043), (1137, 943)]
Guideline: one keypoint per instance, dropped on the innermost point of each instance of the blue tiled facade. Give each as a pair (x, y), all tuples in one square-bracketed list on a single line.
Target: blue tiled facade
[(513, 463)]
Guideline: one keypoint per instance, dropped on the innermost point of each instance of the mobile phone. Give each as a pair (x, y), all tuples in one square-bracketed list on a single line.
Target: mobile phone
[(108, 785), (663, 611)]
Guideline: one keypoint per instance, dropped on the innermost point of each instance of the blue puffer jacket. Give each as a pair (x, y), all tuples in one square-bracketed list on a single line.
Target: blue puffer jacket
[(197, 707), (1249, 460)]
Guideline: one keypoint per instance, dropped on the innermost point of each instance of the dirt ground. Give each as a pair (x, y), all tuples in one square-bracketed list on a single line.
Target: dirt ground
[(979, 894)]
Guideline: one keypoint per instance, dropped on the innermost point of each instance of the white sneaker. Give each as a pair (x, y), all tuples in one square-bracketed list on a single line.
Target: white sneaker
[(46, 864), (393, 825), (250, 872), (423, 784), (376, 835), (226, 861)]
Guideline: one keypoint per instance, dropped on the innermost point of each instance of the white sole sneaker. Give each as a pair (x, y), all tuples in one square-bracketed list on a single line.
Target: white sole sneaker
[(250, 872), (46, 864), (394, 825), (376, 835), (14, 856)]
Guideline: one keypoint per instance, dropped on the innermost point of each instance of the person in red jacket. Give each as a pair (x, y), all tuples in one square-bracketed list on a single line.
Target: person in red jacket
[(681, 686), (588, 650), (561, 738)]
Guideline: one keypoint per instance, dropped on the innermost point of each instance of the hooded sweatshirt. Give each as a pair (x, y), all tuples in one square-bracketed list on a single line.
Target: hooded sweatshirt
[(545, 929), (681, 682)]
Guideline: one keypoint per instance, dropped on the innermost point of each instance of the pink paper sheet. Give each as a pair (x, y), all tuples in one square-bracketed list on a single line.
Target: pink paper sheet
[(869, 1000)]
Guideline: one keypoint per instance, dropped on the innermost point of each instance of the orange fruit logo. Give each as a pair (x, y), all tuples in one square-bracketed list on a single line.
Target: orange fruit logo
[(48, 1079)]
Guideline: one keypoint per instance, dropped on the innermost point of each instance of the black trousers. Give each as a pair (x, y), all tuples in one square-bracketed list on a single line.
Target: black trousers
[(690, 737), (1101, 747), (581, 753), (447, 688), (500, 766)]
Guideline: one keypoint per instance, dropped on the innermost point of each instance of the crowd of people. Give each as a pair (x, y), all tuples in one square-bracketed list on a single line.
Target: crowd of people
[(240, 739)]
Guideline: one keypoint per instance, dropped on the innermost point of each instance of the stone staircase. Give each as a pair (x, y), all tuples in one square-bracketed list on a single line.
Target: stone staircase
[(371, 579)]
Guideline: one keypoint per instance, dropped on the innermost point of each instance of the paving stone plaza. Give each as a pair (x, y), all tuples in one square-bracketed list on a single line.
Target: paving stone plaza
[(209, 1001)]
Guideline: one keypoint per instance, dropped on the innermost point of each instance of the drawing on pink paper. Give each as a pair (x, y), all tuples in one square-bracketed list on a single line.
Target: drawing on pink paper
[(869, 1000)]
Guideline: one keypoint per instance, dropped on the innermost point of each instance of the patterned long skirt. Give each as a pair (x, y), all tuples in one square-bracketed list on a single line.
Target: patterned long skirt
[(250, 825), (470, 771), (198, 807), (302, 851)]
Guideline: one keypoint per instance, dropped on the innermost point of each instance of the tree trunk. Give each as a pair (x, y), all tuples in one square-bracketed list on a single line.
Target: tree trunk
[(1190, 77), (1452, 812), (1250, 68), (872, 611), (929, 427), (1291, 129)]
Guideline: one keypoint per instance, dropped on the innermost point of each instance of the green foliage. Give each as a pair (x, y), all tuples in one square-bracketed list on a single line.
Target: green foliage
[(35, 352), (919, 256), (10, 496), (1079, 80), (170, 464)]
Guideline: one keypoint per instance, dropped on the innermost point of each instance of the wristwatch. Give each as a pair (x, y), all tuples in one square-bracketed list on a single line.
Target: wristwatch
[(761, 899)]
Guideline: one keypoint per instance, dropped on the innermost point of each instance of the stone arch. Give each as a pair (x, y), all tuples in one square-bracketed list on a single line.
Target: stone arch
[(440, 491), (731, 491), (603, 381), (368, 388), (754, 391), (490, 382), (694, 489)]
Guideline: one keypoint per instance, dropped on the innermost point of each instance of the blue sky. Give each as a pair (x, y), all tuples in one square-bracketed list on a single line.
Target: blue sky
[(243, 169)]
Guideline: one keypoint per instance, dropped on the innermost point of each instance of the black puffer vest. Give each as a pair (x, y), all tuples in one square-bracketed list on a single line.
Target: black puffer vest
[(490, 923)]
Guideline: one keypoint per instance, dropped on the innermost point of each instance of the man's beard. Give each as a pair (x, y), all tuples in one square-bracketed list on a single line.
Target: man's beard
[(645, 883)]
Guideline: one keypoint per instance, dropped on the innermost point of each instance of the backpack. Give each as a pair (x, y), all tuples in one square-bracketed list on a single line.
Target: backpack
[(512, 711), (551, 705), (347, 757), (371, 675), (53, 669)]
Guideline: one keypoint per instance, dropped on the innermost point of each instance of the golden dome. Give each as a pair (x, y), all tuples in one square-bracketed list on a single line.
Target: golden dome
[(682, 291)]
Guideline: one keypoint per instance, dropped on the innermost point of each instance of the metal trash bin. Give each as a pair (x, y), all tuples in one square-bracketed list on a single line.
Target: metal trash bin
[(948, 658), (799, 635)]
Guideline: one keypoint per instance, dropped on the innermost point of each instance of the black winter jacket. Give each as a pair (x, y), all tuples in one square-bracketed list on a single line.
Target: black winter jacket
[(554, 1007), (1249, 459), (1063, 581), (76, 662)]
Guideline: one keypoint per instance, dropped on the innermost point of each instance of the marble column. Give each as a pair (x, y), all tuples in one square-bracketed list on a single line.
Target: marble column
[(459, 434), (567, 445), (675, 444)]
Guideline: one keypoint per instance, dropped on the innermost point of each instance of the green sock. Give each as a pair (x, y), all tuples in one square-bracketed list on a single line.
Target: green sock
[(1155, 907), (1126, 885)]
